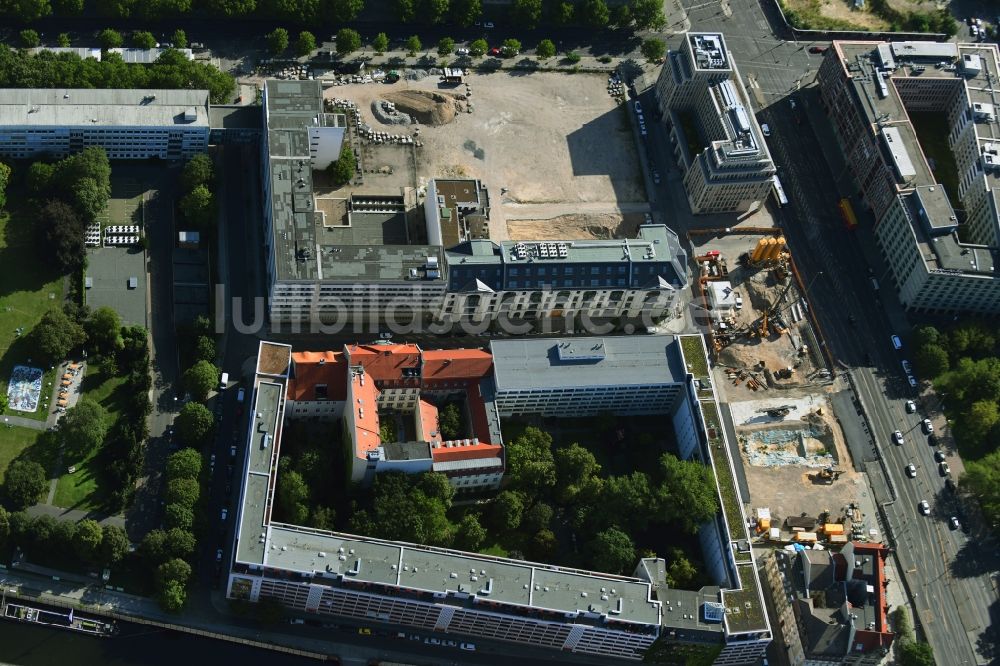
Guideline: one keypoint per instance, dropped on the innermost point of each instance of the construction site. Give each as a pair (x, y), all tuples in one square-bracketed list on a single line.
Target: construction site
[(757, 319)]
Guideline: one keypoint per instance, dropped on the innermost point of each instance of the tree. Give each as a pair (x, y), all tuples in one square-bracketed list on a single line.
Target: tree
[(982, 416), (172, 596), (538, 517), (680, 572), (232, 8), (277, 41), (195, 424), (930, 361), (342, 169), (470, 534), (914, 653), (526, 13), (154, 547), (478, 48), (349, 41), (346, 10), (27, 11), (84, 427), (198, 208), (577, 472), (30, 38), (24, 483), (653, 49), (4, 180), (183, 491), (104, 328), (544, 544), (381, 43), (445, 46), (176, 570), (688, 492), (450, 421), (89, 199), (142, 39), (205, 349), (305, 44), (184, 464), (198, 171), (55, 335), (982, 481), (927, 335), (506, 510), (114, 545), (5, 528), (200, 379), (62, 39), (563, 14), (530, 462), (648, 14), (433, 11), (179, 39), (595, 13), (545, 49), (322, 518), (465, 12), (180, 543), (621, 16), (511, 47), (87, 540), (627, 501), (901, 623), (66, 8), (62, 236), (178, 515), (572, 57), (110, 39), (612, 551), (401, 510), (4, 402), (406, 10), (436, 486), (413, 45), (293, 493)]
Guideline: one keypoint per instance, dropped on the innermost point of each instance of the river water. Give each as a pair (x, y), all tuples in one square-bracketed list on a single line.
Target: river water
[(135, 645)]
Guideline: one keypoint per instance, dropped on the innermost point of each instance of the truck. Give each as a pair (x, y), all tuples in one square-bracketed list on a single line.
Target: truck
[(847, 213)]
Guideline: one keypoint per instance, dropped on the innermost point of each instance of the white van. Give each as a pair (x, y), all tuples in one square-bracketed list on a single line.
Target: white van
[(223, 381)]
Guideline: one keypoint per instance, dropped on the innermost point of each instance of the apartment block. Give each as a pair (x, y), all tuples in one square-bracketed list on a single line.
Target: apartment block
[(467, 595), (940, 259), (128, 124), (715, 137)]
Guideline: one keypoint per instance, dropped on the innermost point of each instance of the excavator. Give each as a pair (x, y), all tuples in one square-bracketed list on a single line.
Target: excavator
[(827, 475)]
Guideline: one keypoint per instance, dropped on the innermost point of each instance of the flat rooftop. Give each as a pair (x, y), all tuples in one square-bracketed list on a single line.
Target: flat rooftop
[(615, 361), (709, 49), (427, 569), (74, 107), (934, 226)]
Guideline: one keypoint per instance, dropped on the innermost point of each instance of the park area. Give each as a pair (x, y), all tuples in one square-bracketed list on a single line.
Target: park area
[(28, 288)]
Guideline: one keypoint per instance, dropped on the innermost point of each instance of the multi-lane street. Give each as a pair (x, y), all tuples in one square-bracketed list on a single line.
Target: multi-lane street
[(946, 571)]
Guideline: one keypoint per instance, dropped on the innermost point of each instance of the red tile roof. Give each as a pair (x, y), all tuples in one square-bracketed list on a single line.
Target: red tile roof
[(471, 452), (429, 422), (453, 364), (366, 421), (312, 368), (384, 362)]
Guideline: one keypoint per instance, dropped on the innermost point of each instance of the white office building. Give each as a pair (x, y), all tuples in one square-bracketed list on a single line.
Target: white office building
[(128, 124)]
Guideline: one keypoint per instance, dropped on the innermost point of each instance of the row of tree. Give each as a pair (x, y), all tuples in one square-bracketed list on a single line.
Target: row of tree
[(171, 71), (43, 536), (197, 202), (183, 492), (644, 14), (964, 364)]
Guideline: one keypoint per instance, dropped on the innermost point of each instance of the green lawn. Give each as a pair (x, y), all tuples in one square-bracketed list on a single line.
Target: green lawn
[(13, 442), (81, 490), (28, 289)]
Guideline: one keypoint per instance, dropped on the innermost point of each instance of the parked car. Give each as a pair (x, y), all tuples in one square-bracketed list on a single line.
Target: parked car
[(765, 130), (488, 25), (927, 426), (364, 631), (495, 51), (912, 381), (911, 407), (218, 555), (907, 368), (471, 647), (225, 512), (954, 524), (925, 508), (638, 107), (818, 49), (939, 456), (943, 469), (897, 344), (911, 471), (462, 52), (897, 438)]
